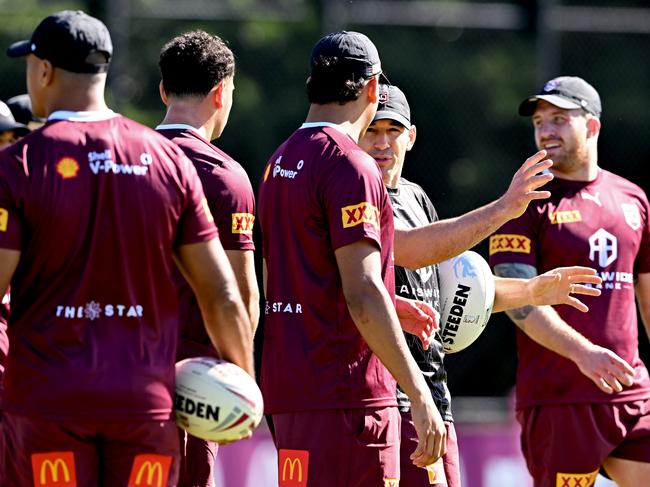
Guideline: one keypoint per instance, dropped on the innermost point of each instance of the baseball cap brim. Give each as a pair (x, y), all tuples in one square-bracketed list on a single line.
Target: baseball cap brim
[(18, 128), (528, 106), (391, 115), (20, 49)]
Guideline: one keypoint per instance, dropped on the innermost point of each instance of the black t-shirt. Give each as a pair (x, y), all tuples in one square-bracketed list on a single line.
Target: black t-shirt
[(413, 208)]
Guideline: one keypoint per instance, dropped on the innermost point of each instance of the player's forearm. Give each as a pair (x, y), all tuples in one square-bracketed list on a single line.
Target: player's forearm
[(444, 239), (510, 293), (228, 326), (376, 318), (543, 325)]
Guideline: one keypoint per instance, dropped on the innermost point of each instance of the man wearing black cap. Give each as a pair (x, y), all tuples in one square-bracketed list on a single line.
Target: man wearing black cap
[(94, 209), (387, 140), (10, 129), (583, 394), (332, 336)]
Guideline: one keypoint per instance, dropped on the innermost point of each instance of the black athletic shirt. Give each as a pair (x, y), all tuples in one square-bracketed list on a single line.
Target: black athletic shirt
[(413, 208)]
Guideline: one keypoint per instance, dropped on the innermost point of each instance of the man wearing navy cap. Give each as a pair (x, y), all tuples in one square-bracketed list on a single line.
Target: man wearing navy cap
[(422, 241), (583, 393), (10, 129), (332, 336), (94, 211)]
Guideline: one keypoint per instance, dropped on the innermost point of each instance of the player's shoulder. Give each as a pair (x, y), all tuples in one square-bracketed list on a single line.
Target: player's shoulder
[(615, 180), (411, 187)]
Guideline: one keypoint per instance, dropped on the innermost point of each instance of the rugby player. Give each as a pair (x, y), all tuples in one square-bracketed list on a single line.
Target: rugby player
[(332, 337), (197, 71), (388, 138), (96, 208), (583, 393)]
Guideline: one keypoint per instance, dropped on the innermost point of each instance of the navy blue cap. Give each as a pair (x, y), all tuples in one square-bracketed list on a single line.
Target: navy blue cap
[(355, 54), (68, 39), (567, 92), (393, 105)]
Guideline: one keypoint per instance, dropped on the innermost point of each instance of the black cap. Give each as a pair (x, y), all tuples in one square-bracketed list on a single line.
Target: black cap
[(393, 105), (21, 109), (68, 39), (356, 55), (568, 92), (7, 121)]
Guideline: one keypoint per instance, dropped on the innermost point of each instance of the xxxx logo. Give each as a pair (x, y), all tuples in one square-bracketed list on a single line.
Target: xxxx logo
[(150, 471), (354, 215), (243, 223), (509, 243), (293, 466), (4, 220), (54, 469), (565, 216), (575, 479)]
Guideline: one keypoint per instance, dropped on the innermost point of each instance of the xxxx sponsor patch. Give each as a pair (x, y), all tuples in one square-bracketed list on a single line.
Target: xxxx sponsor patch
[(571, 216), (243, 223), (4, 220), (575, 479), (505, 242), (364, 212)]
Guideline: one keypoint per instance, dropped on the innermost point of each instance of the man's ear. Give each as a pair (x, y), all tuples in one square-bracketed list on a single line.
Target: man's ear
[(217, 94), (412, 134), (162, 92), (593, 126), (46, 72), (373, 89)]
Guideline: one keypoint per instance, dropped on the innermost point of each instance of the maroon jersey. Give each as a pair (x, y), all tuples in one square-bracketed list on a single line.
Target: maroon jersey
[(232, 204), (95, 203), (4, 341), (601, 224), (320, 192)]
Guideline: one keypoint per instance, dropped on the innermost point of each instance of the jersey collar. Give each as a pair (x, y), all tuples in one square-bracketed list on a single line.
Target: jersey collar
[(89, 116)]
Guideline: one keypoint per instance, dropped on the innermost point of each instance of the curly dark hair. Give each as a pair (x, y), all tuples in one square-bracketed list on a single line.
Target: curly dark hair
[(334, 80), (195, 62)]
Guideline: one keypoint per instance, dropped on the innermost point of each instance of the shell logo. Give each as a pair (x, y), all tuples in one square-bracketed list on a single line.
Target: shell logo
[(67, 168)]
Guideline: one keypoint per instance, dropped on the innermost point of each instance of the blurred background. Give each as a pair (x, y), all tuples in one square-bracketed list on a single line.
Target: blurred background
[(464, 67)]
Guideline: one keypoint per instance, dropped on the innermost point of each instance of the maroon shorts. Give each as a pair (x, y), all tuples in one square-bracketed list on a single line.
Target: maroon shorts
[(197, 461), (566, 445), (445, 472), (69, 454), (338, 448)]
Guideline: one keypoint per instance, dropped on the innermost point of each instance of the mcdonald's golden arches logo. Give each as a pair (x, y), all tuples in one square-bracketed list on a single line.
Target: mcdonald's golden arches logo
[(293, 468), (54, 469), (150, 471)]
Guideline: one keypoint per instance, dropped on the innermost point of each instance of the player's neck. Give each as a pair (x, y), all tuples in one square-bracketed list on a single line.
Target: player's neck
[(348, 117), (186, 114)]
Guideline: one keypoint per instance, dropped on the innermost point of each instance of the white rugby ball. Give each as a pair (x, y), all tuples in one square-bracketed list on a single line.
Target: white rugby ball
[(466, 299), (216, 400)]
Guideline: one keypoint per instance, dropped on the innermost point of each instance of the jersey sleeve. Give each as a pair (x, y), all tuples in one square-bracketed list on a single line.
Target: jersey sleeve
[(642, 262), (233, 209), (515, 242), (353, 196), (196, 223), (11, 225)]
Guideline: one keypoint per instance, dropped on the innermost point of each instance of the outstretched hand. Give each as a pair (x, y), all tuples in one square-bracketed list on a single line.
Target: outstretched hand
[(558, 285), (417, 318), (525, 182)]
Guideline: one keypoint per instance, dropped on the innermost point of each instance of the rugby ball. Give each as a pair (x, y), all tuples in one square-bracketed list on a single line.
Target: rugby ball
[(216, 400), (466, 299)]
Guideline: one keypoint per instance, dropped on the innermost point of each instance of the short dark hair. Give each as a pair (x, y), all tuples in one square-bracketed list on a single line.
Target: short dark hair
[(329, 83), (195, 62)]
